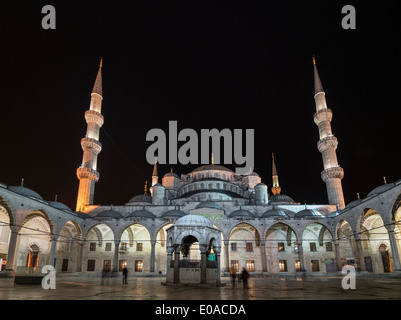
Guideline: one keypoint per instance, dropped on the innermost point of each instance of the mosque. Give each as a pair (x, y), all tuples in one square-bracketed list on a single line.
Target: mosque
[(193, 227)]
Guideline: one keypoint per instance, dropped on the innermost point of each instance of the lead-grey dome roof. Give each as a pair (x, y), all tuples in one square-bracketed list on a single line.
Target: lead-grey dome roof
[(25, 191), (241, 213), (208, 204), (59, 205), (193, 220), (141, 214), (278, 213), (382, 188), (141, 198), (308, 213), (280, 198), (109, 214), (211, 167), (173, 213)]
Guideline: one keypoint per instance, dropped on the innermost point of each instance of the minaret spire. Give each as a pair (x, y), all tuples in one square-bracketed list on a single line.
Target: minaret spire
[(87, 172), (155, 177), (327, 145), (276, 187)]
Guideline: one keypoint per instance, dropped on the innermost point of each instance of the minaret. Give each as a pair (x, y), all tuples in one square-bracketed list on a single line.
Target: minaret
[(87, 173), (276, 188), (155, 177), (327, 145)]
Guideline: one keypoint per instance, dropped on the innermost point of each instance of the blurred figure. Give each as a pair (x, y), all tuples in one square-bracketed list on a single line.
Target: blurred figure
[(245, 277), (125, 275), (233, 276)]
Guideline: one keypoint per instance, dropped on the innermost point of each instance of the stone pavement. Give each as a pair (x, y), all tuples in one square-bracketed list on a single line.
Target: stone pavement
[(269, 288)]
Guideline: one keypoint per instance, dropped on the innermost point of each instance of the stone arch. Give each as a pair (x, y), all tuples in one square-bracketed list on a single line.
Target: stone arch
[(52, 227), (11, 216)]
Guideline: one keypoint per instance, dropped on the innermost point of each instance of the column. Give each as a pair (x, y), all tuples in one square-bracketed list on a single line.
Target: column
[(337, 253), (116, 248), (227, 254), (53, 245), (152, 255), (177, 265), (360, 254), (217, 252), (203, 265), (169, 256), (12, 248), (394, 248), (79, 255), (264, 258)]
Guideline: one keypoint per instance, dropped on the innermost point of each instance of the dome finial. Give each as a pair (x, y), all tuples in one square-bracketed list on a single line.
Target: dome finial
[(22, 182)]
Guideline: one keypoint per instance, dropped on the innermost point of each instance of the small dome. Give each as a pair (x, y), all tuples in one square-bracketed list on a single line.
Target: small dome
[(193, 220), (278, 213), (59, 205), (171, 174), (353, 203), (141, 214), (25, 192), (109, 214), (382, 188), (141, 198), (308, 213), (241, 214), (211, 167), (208, 204), (173, 214), (260, 184), (280, 198)]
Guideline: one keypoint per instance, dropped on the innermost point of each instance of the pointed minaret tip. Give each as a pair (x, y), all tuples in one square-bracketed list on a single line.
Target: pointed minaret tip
[(314, 60), (97, 88), (101, 62), (318, 83)]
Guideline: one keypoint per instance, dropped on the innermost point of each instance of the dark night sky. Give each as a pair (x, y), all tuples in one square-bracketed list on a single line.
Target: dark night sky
[(206, 64)]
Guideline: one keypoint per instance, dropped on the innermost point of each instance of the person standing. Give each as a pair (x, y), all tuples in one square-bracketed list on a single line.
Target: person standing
[(125, 275), (233, 276), (244, 277)]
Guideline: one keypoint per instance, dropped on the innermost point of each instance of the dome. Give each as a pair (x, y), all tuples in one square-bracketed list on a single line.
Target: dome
[(173, 214), (141, 214), (171, 174), (193, 220), (208, 204), (25, 192), (380, 189), (280, 198), (278, 213), (141, 198), (241, 213), (109, 214), (308, 213), (211, 167), (59, 205), (353, 203)]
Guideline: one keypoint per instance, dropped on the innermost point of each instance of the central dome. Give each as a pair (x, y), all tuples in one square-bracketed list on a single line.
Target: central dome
[(212, 167), (193, 220)]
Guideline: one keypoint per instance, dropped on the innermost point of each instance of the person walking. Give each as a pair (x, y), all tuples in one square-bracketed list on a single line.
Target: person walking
[(233, 276), (245, 277), (125, 275)]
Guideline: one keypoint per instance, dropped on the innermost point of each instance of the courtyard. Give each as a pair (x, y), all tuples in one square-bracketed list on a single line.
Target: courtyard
[(151, 288)]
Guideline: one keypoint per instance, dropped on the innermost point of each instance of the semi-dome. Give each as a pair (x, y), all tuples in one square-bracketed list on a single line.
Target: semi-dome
[(380, 189), (208, 204), (211, 167), (141, 198), (278, 213), (25, 192), (241, 213), (280, 198), (193, 220), (173, 214), (59, 205), (308, 213), (109, 214), (141, 214)]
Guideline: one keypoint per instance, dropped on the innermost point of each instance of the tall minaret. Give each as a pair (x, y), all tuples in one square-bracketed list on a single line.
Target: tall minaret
[(327, 145), (87, 173), (276, 189)]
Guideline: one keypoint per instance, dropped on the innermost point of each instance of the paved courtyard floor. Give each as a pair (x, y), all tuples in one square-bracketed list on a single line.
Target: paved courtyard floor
[(270, 288)]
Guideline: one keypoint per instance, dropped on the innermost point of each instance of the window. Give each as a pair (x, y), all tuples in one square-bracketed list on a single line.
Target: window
[(123, 246), (92, 246), (91, 265), (122, 264), (250, 265), (233, 246), (107, 246), (282, 265), (234, 265), (106, 265), (138, 265), (64, 266), (281, 246), (315, 265), (249, 247), (329, 246), (139, 246), (312, 246), (297, 266)]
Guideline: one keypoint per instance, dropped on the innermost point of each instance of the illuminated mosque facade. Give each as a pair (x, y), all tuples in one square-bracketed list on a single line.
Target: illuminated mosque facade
[(193, 227)]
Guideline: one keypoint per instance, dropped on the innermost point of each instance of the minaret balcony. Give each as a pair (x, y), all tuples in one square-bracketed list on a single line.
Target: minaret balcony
[(332, 173), (92, 116), (87, 173), (91, 144), (329, 142), (323, 115)]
